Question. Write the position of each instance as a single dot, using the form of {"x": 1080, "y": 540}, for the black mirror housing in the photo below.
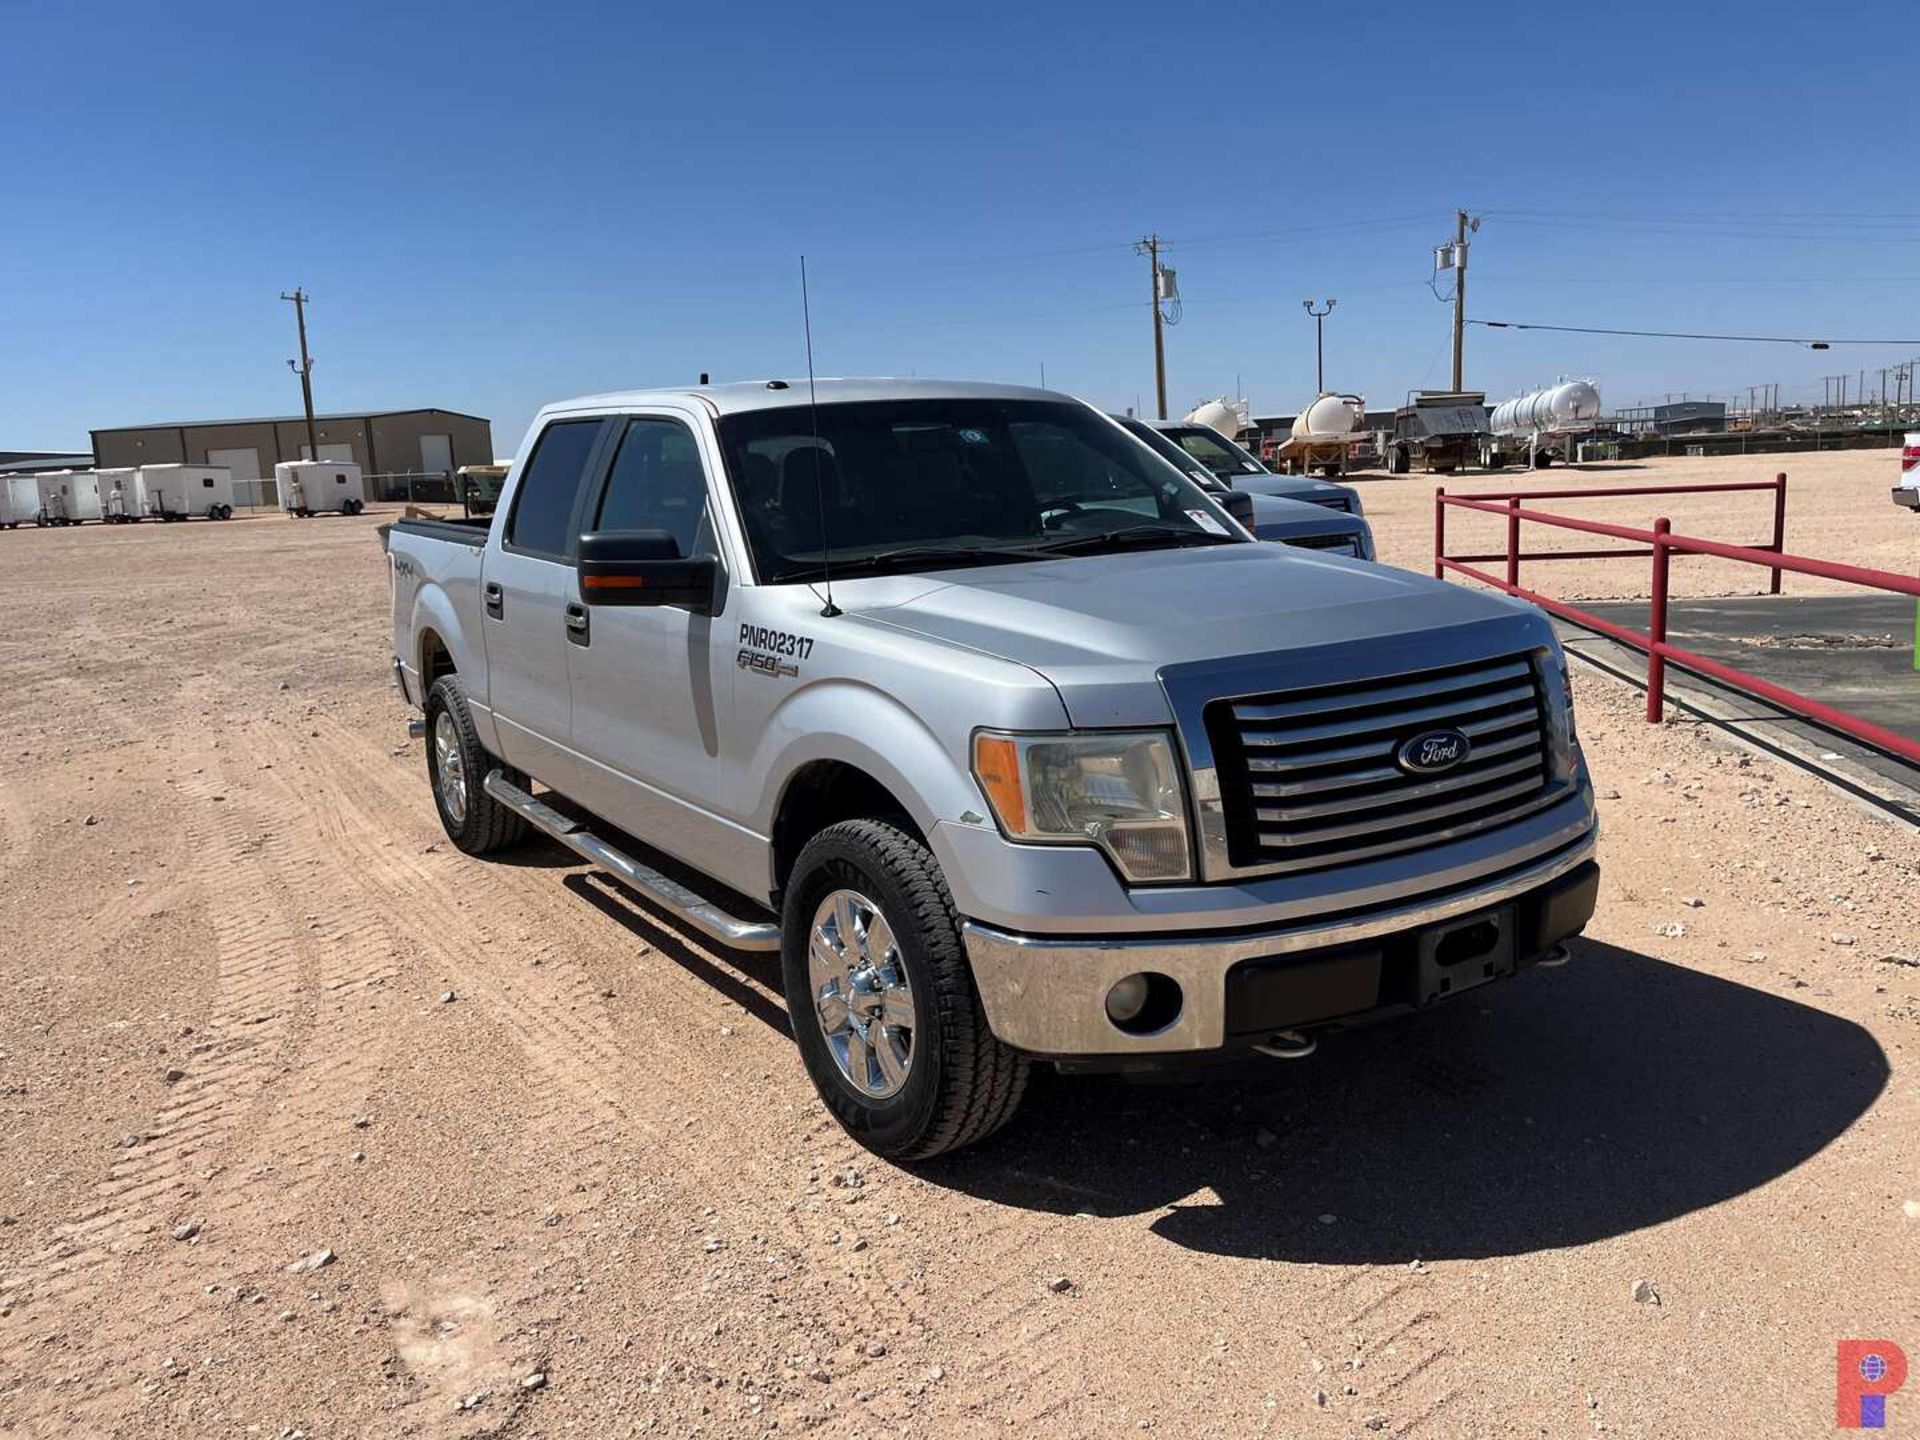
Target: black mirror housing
{"x": 1239, "y": 504}
{"x": 645, "y": 567}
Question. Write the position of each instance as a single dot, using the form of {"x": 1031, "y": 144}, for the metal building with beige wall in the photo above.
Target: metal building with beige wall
{"x": 384, "y": 443}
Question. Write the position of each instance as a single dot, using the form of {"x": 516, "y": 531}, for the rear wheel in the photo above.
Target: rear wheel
{"x": 457, "y": 768}
{"x": 882, "y": 1000}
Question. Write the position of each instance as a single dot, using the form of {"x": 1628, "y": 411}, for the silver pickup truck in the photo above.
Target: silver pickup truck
{"x": 999, "y": 729}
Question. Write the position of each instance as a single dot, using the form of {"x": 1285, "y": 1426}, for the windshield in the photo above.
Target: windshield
{"x": 907, "y": 485}
{"x": 1212, "y": 450}
{"x": 1171, "y": 453}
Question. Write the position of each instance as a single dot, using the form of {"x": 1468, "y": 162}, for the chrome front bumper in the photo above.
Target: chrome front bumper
{"x": 1048, "y": 995}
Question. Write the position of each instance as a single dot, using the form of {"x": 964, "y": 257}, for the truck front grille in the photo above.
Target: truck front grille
{"x": 1341, "y": 544}
{"x": 1309, "y": 779}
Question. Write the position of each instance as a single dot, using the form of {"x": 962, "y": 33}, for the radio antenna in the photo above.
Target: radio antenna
{"x": 819, "y": 483}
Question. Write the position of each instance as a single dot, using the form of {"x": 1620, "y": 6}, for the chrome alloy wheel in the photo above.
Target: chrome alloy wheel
{"x": 450, "y": 768}
{"x": 861, "y": 995}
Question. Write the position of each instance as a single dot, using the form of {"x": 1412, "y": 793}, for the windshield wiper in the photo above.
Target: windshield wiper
{"x": 914, "y": 557}
{"x": 1136, "y": 537}
{"x": 911, "y": 557}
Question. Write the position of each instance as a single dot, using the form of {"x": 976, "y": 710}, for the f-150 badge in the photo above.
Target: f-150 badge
{"x": 772, "y": 652}
{"x": 765, "y": 664}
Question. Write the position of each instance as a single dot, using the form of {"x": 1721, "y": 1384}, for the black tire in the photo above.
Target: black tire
{"x": 487, "y": 825}
{"x": 962, "y": 1084}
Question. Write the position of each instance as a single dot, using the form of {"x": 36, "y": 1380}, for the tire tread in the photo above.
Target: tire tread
{"x": 490, "y": 826}
{"x": 984, "y": 1079}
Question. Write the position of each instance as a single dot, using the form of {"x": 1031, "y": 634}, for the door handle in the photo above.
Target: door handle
{"x": 494, "y": 598}
{"x": 578, "y": 625}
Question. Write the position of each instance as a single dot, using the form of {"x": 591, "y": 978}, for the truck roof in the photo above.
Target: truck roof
{"x": 739, "y": 396}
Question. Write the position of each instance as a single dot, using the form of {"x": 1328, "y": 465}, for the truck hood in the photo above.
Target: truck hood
{"x": 1102, "y": 628}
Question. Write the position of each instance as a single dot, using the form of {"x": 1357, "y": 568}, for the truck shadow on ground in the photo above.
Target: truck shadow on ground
{"x": 662, "y": 936}
{"x": 1559, "y": 1108}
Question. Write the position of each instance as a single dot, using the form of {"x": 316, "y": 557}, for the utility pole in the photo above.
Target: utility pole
{"x": 1460, "y": 296}
{"x": 303, "y": 367}
{"x": 1150, "y": 247}
{"x": 1320, "y": 343}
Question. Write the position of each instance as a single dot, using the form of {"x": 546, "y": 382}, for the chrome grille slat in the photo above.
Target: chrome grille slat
{"x": 1309, "y": 779}
{"x": 1293, "y": 836}
{"x": 1389, "y": 722}
{"x": 1417, "y": 842}
{"x": 1378, "y": 749}
{"x": 1348, "y": 779}
{"x": 1460, "y": 779}
{"x": 1385, "y": 695}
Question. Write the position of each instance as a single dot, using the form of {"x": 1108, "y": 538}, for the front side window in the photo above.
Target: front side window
{"x": 543, "y": 505}
{"x": 658, "y": 483}
{"x": 880, "y": 487}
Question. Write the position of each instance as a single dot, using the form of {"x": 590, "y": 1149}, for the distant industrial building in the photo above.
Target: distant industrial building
{"x": 382, "y": 443}
{"x": 26, "y": 462}
{"x": 1676, "y": 417}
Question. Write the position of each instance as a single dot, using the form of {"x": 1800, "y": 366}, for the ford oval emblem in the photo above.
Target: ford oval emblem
{"x": 1432, "y": 752}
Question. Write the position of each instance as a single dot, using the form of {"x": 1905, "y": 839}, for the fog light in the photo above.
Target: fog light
{"x": 1127, "y": 999}
{"x": 1146, "y": 1003}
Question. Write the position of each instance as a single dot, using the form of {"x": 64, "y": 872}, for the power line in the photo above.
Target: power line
{"x": 1684, "y": 334}
{"x": 1908, "y": 234}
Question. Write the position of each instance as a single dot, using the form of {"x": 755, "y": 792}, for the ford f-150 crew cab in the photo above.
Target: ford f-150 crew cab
{"x": 1000, "y": 730}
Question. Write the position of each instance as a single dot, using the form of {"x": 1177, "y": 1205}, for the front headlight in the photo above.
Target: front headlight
{"x": 1119, "y": 790}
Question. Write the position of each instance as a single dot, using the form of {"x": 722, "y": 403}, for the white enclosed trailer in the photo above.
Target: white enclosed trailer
{"x": 119, "y": 495}
{"x": 19, "y": 500}
{"x": 67, "y": 497}
{"x": 309, "y": 487}
{"x": 174, "y": 492}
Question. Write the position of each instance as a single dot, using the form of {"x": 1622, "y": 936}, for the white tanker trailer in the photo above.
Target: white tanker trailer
{"x": 1534, "y": 429}
{"x": 1323, "y": 436}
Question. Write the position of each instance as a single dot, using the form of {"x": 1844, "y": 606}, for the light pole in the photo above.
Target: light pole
{"x": 1320, "y": 343}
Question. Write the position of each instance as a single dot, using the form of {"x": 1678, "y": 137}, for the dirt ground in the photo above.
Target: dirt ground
{"x": 257, "y": 1009}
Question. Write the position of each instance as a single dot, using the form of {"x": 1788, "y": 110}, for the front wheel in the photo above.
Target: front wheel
{"x": 457, "y": 767}
{"x": 882, "y": 1000}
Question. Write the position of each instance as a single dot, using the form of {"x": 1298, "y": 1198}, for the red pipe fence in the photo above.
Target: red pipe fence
{"x": 1662, "y": 545}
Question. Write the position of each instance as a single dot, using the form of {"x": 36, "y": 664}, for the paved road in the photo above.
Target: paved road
{"x": 1855, "y": 652}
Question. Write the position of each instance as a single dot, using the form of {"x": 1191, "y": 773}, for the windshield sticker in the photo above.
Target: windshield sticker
{"x": 973, "y": 437}
{"x": 1206, "y": 522}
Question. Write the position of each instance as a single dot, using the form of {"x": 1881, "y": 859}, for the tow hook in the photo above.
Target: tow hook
{"x": 1554, "y": 958}
{"x": 416, "y": 729}
{"x": 1289, "y": 1045}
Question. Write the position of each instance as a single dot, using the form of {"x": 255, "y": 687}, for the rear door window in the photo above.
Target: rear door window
{"x": 543, "y": 505}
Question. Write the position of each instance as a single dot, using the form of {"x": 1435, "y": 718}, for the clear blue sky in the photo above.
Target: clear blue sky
{"x": 494, "y": 205}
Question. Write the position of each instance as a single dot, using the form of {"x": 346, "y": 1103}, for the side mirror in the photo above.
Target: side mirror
{"x": 645, "y": 567}
{"x": 1239, "y": 504}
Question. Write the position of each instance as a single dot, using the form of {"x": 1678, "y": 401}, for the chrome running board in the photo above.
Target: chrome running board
{"x": 699, "y": 912}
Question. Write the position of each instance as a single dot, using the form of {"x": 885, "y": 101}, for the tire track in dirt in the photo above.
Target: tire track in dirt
{"x": 549, "y": 1003}
{"x": 232, "y": 1107}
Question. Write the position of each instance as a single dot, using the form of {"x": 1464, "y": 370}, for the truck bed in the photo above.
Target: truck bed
{"x": 461, "y": 532}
